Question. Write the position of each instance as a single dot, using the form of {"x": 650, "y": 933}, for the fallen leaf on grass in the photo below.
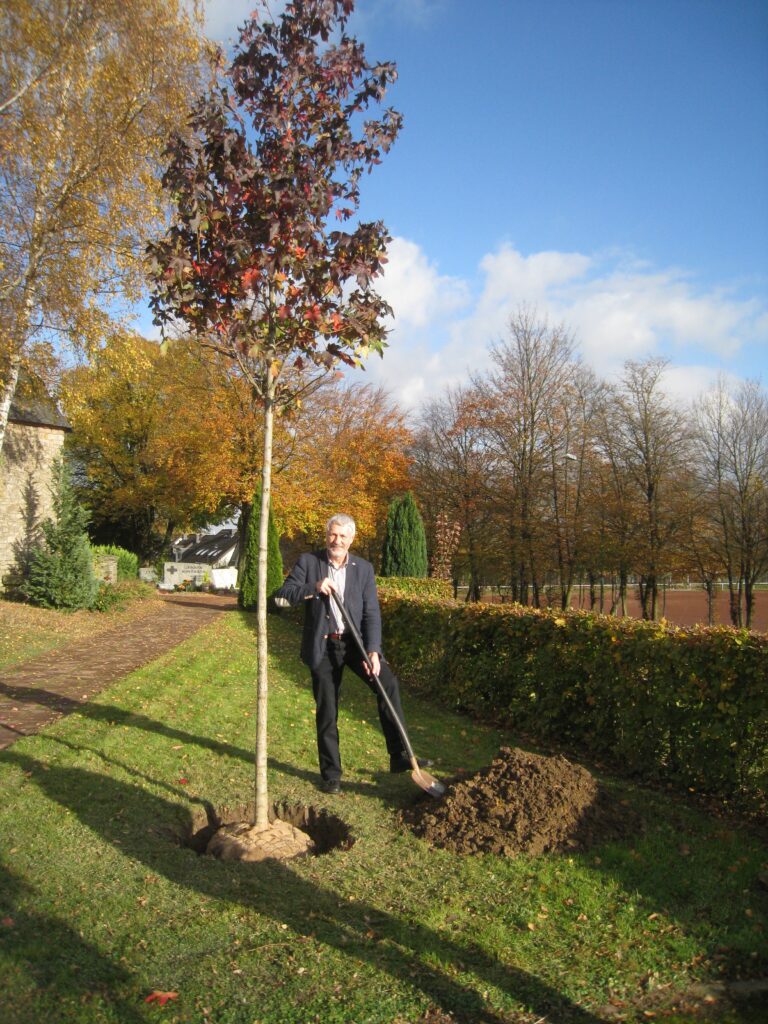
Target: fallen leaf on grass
{"x": 161, "y": 997}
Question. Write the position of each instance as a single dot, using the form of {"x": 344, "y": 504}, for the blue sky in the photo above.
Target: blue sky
{"x": 603, "y": 161}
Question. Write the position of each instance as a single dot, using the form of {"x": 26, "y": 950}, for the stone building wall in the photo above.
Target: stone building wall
{"x": 25, "y": 497}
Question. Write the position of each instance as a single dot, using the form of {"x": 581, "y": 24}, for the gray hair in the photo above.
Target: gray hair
{"x": 343, "y": 520}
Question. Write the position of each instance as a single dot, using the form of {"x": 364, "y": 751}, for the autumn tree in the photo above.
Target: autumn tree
{"x": 732, "y": 464}
{"x": 528, "y": 426}
{"x": 251, "y": 264}
{"x": 348, "y": 449}
{"x": 452, "y": 472}
{"x": 646, "y": 440}
{"x": 89, "y": 91}
{"x": 155, "y": 440}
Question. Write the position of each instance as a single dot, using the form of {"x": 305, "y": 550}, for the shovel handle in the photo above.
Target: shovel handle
{"x": 349, "y": 624}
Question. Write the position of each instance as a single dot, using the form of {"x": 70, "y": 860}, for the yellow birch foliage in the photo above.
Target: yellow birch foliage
{"x": 89, "y": 94}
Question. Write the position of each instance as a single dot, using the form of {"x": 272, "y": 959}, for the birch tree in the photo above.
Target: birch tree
{"x": 89, "y": 91}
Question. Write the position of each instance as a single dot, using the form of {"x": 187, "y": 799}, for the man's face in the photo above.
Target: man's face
{"x": 338, "y": 539}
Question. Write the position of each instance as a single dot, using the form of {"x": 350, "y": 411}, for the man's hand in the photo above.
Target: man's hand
{"x": 374, "y": 660}
{"x": 324, "y": 586}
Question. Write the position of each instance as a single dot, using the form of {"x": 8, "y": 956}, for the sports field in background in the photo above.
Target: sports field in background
{"x": 678, "y": 607}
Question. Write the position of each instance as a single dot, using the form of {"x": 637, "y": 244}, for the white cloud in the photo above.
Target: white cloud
{"x": 414, "y": 288}
{"x": 616, "y": 309}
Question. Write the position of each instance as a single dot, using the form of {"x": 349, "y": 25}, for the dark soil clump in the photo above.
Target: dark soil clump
{"x": 523, "y": 803}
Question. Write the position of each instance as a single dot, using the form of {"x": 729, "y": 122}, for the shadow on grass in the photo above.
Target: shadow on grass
{"x": 411, "y": 954}
{"x": 61, "y": 965}
{"x": 114, "y": 715}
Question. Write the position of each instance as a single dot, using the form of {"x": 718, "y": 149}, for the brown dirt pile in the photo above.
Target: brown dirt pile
{"x": 522, "y": 803}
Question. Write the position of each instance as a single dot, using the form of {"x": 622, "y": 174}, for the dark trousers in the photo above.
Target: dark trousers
{"x": 326, "y": 683}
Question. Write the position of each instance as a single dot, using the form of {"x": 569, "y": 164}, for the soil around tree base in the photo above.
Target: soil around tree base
{"x": 523, "y": 803}
{"x": 228, "y": 832}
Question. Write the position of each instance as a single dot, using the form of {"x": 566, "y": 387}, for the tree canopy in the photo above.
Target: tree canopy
{"x": 89, "y": 92}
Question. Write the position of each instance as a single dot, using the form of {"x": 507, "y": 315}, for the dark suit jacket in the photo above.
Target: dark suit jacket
{"x": 360, "y": 600}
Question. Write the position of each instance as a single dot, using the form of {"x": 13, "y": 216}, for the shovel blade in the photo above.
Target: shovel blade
{"x": 428, "y": 783}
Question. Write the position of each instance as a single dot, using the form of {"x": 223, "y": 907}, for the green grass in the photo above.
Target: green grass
{"x": 99, "y": 908}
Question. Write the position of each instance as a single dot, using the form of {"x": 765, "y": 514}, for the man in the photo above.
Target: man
{"x": 327, "y": 648}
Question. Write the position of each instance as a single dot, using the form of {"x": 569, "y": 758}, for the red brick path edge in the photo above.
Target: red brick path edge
{"x": 37, "y": 692}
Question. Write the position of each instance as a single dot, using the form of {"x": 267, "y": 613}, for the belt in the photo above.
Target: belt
{"x": 334, "y": 636}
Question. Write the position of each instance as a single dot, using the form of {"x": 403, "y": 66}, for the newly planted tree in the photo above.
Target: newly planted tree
{"x": 253, "y": 264}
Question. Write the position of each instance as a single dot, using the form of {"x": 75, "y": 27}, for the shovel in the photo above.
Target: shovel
{"x": 423, "y": 779}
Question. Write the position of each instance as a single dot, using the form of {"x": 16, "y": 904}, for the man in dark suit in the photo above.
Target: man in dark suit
{"x": 327, "y": 648}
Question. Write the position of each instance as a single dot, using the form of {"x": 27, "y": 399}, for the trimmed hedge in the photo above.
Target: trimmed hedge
{"x": 415, "y": 586}
{"x": 127, "y": 562}
{"x": 688, "y": 707}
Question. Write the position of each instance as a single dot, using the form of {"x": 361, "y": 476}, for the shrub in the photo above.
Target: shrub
{"x": 405, "y": 543}
{"x": 61, "y": 570}
{"x": 684, "y": 706}
{"x": 127, "y": 562}
{"x": 111, "y": 598}
{"x": 408, "y": 586}
{"x": 249, "y": 589}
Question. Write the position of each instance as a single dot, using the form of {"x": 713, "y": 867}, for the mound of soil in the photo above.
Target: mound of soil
{"x": 522, "y": 803}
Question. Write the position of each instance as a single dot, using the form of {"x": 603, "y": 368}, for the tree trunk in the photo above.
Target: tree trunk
{"x": 709, "y": 586}
{"x": 749, "y": 602}
{"x": 734, "y": 601}
{"x": 8, "y": 392}
{"x": 262, "y": 691}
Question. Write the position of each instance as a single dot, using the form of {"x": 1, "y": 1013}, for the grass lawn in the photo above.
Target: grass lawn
{"x": 99, "y": 908}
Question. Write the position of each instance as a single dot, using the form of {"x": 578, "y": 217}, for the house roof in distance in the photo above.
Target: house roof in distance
{"x": 32, "y": 405}
{"x": 212, "y": 549}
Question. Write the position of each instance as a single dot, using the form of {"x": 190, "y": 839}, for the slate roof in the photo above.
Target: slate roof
{"x": 210, "y": 550}
{"x": 36, "y": 409}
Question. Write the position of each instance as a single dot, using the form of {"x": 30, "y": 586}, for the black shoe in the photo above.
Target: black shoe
{"x": 331, "y": 786}
{"x": 402, "y": 764}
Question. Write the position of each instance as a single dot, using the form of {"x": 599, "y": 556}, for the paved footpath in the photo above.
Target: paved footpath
{"x": 37, "y": 692}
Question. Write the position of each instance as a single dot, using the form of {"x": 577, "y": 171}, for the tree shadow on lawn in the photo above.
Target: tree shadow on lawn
{"x": 407, "y": 952}
{"x": 110, "y": 713}
{"x": 61, "y": 966}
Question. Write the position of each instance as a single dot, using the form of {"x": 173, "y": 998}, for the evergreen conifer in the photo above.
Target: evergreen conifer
{"x": 249, "y": 587}
{"x": 405, "y": 543}
{"x": 61, "y": 570}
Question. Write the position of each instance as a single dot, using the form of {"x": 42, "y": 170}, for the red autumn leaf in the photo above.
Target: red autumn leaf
{"x": 7, "y": 922}
{"x": 161, "y": 997}
{"x": 250, "y": 277}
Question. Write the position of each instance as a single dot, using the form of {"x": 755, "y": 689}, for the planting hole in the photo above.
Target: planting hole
{"x": 295, "y": 830}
